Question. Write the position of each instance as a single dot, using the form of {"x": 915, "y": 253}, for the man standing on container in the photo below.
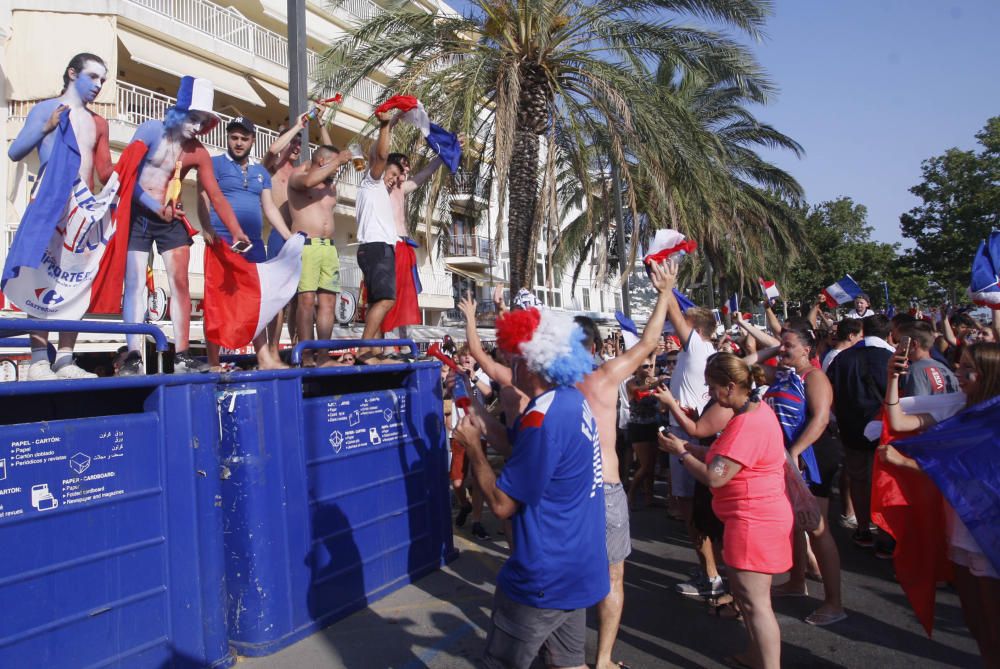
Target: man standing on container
{"x": 552, "y": 489}
{"x": 377, "y": 235}
{"x": 312, "y": 195}
{"x": 83, "y": 79}
{"x": 173, "y": 150}
{"x": 246, "y": 185}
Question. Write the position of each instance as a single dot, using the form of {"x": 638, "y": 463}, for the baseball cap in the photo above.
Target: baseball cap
{"x": 241, "y": 122}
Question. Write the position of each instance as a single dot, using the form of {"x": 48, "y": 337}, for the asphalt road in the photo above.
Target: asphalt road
{"x": 440, "y": 622}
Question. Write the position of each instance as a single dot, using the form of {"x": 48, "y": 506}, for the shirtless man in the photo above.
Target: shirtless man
{"x": 83, "y": 79}
{"x": 280, "y": 160}
{"x": 312, "y": 195}
{"x": 171, "y": 141}
{"x": 600, "y": 388}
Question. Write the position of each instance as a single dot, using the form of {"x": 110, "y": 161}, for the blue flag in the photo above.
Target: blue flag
{"x": 960, "y": 455}
{"x": 682, "y": 301}
{"x": 46, "y": 210}
{"x": 446, "y": 145}
{"x": 984, "y": 288}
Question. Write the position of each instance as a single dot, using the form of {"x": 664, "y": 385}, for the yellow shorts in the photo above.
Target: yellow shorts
{"x": 320, "y": 267}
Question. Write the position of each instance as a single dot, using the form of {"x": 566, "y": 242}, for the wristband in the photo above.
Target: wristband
{"x": 683, "y": 455}
{"x": 891, "y": 404}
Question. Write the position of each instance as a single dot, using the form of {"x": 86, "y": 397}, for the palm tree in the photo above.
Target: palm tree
{"x": 524, "y": 75}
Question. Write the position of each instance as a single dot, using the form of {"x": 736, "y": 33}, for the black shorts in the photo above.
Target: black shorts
{"x": 377, "y": 261}
{"x": 146, "y": 228}
{"x": 703, "y": 516}
{"x": 642, "y": 432}
{"x": 829, "y": 453}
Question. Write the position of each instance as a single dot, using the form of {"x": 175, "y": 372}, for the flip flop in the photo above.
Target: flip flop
{"x": 824, "y": 619}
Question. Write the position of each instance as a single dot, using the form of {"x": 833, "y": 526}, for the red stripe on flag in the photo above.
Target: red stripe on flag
{"x": 232, "y": 297}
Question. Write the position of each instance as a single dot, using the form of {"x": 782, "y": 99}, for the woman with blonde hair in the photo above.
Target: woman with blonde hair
{"x": 745, "y": 469}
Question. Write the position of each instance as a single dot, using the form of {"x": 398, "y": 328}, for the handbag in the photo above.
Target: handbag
{"x": 804, "y": 505}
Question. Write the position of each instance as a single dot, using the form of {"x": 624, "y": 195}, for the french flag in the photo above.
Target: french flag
{"x": 682, "y": 301}
{"x": 984, "y": 286}
{"x": 731, "y": 306}
{"x": 769, "y": 288}
{"x": 242, "y": 297}
{"x": 841, "y": 292}
{"x": 667, "y": 244}
{"x": 441, "y": 142}
{"x": 630, "y": 333}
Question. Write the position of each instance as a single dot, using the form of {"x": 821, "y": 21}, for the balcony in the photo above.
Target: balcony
{"x": 470, "y": 251}
{"x": 228, "y": 25}
{"x": 468, "y": 193}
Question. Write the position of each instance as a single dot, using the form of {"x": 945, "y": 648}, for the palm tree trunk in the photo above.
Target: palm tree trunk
{"x": 522, "y": 238}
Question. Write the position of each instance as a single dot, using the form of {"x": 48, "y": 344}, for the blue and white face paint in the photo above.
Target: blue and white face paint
{"x": 89, "y": 81}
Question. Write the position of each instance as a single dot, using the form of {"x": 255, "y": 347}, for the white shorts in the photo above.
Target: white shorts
{"x": 681, "y": 481}
{"x": 977, "y": 563}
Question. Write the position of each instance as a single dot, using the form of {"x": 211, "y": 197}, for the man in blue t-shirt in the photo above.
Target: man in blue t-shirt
{"x": 246, "y": 186}
{"x": 552, "y": 489}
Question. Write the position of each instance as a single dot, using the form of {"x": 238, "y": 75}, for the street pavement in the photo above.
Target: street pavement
{"x": 440, "y": 622}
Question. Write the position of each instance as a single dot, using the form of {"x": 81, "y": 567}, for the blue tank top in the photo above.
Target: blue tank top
{"x": 787, "y": 397}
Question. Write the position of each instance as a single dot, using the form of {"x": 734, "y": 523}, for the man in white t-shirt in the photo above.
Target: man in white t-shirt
{"x": 377, "y": 235}
{"x": 694, "y": 328}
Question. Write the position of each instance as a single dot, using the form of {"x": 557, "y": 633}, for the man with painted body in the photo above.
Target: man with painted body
{"x": 82, "y": 82}
{"x": 171, "y": 141}
{"x": 312, "y": 195}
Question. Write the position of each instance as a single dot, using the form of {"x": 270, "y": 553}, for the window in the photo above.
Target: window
{"x": 585, "y": 295}
{"x": 618, "y": 302}
{"x": 555, "y": 299}
{"x": 540, "y": 294}
{"x": 539, "y": 274}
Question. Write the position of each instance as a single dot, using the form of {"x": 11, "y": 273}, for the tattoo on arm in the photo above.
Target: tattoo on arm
{"x": 720, "y": 467}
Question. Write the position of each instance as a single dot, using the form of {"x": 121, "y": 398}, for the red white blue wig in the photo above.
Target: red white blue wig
{"x": 550, "y": 342}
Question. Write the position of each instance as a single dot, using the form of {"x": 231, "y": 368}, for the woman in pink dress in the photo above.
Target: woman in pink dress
{"x": 745, "y": 469}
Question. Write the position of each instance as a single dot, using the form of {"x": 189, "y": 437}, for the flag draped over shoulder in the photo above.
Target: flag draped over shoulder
{"x": 55, "y": 265}
{"x": 443, "y": 143}
{"x": 960, "y": 456}
{"x": 242, "y": 297}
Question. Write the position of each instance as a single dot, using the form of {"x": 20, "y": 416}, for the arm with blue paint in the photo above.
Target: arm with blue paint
{"x": 42, "y": 119}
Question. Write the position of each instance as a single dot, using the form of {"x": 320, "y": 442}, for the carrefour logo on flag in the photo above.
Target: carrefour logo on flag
{"x": 48, "y": 296}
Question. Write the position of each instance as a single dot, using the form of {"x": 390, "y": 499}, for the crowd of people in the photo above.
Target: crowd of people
{"x": 235, "y": 196}
{"x": 760, "y": 434}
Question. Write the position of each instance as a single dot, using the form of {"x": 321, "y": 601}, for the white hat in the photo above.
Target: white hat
{"x": 197, "y": 94}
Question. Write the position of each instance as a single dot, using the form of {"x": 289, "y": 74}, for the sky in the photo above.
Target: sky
{"x": 871, "y": 88}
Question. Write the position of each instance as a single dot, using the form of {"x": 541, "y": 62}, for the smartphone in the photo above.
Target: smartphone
{"x": 663, "y": 430}
{"x": 903, "y": 348}
{"x": 241, "y": 247}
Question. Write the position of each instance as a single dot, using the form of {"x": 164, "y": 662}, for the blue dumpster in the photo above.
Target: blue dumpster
{"x": 111, "y": 524}
{"x": 335, "y": 493}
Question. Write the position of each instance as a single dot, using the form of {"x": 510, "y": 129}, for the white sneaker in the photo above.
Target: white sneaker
{"x": 41, "y": 371}
{"x": 71, "y": 371}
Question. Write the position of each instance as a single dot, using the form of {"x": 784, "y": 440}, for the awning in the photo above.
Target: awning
{"x": 280, "y": 93}
{"x": 480, "y": 277}
{"x": 165, "y": 59}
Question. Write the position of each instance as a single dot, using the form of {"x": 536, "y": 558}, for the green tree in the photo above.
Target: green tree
{"x": 840, "y": 238}
{"x": 961, "y": 204}
{"x": 524, "y": 75}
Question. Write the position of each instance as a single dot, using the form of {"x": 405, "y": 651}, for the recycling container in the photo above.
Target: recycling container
{"x": 335, "y": 493}
{"x": 111, "y": 524}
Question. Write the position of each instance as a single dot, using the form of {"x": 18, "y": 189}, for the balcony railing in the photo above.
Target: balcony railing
{"x": 469, "y": 245}
{"x": 228, "y": 25}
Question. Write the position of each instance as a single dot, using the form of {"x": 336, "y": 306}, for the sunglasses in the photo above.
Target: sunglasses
{"x": 645, "y": 366}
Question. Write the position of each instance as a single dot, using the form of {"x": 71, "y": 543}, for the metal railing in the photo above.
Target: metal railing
{"x": 465, "y": 184}
{"x": 362, "y": 9}
{"x": 469, "y": 245}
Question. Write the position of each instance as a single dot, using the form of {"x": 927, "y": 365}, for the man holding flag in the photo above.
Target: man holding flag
{"x": 246, "y": 185}
{"x": 83, "y": 142}
{"x": 156, "y": 216}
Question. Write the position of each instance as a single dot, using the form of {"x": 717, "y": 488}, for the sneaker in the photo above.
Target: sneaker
{"x": 462, "y": 515}
{"x": 185, "y": 363}
{"x": 479, "y": 532}
{"x": 71, "y": 371}
{"x": 702, "y": 587}
{"x": 41, "y": 371}
{"x": 132, "y": 365}
{"x": 863, "y": 539}
{"x": 850, "y": 522}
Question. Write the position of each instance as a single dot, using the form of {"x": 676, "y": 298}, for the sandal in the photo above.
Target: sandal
{"x": 823, "y": 619}
{"x": 727, "y": 610}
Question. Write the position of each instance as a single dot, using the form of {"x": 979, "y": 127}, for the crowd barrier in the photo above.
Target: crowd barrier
{"x": 174, "y": 520}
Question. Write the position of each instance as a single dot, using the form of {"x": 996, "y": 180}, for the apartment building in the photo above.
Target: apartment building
{"x": 241, "y": 46}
